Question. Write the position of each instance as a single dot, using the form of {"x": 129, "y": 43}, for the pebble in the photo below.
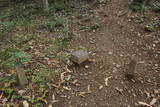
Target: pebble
{"x": 156, "y": 65}
{"x": 110, "y": 53}
{"x": 86, "y": 66}
{"x": 100, "y": 87}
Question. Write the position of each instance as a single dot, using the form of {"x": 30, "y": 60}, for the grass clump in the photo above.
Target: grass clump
{"x": 61, "y": 4}
{"x": 156, "y": 6}
{"x": 143, "y": 5}
{"x": 139, "y": 6}
{"x": 149, "y": 27}
{"x": 43, "y": 76}
{"x": 6, "y": 28}
{"x": 12, "y": 57}
{"x": 51, "y": 25}
{"x": 7, "y": 83}
{"x": 5, "y": 14}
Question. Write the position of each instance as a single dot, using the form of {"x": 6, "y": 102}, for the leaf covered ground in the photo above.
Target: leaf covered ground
{"x": 41, "y": 42}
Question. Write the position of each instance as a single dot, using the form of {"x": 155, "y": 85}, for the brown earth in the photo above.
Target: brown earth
{"x": 120, "y": 36}
{"x": 117, "y": 35}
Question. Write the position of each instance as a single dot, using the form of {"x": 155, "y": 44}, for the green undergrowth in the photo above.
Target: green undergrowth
{"x": 143, "y": 6}
{"x": 36, "y": 41}
{"x": 11, "y": 57}
{"x": 19, "y": 55}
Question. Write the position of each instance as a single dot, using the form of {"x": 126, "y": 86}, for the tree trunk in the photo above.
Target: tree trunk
{"x": 45, "y": 5}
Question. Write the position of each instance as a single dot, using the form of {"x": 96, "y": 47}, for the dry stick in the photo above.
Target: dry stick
{"x": 132, "y": 67}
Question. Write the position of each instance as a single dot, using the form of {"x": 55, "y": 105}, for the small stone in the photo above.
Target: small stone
{"x": 121, "y": 55}
{"x": 100, "y": 87}
{"x": 21, "y": 77}
{"x": 79, "y": 56}
{"x": 156, "y": 65}
{"x": 86, "y": 66}
{"x": 110, "y": 53}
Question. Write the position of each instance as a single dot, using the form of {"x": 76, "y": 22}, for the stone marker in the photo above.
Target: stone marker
{"x": 21, "y": 77}
{"x": 132, "y": 67}
{"x": 79, "y": 56}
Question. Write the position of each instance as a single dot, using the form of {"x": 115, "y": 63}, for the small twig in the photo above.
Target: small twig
{"x": 119, "y": 90}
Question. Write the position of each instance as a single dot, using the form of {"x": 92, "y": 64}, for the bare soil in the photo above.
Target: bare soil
{"x": 120, "y": 36}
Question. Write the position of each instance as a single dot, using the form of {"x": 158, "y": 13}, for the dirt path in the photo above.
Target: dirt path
{"x": 111, "y": 47}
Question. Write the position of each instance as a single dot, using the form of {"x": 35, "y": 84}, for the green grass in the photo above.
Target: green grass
{"x": 6, "y": 28}
{"x": 5, "y": 14}
{"x": 60, "y": 44}
{"x": 22, "y": 25}
{"x": 156, "y": 6}
{"x": 62, "y": 58}
{"x": 52, "y": 24}
{"x": 12, "y": 57}
{"x": 149, "y": 27}
{"x": 7, "y": 83}
{"x": 43, "y": 75}
{"x": 142, "y": 6}
{"x": 61, "y": 4}
{"x": 139, "y": 7}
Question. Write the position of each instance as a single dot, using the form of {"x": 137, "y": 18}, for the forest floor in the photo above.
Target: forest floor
{"x": 111, "y": 33}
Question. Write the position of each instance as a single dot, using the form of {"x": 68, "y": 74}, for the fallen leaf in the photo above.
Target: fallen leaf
{"x": 83, "y": 93}
{"x": 66, "y": 68}
{"x": 16, "y": 105}
{"x": 50, "y": 105}
{"x": 119, "y": 90}
{"x": 1, "y": 95}
{"x": 21, "y": 92}
{"x": 67, "y": 88}
{"x": 54, "y": 99}
{"x": 62, "y": 77}
{"x": 13, "y": 71}
{"x": 56, "y": 86}
{"x": 4, "y": 101}
{"x": 154, "y": 100}
{"x": 25, "y": 103}
{"x": 44, "y": 100}
{"x": 106, "y": 80}
{"x": 141, "y": 62}
{"x": 68, "y": 77}
{"x": 30, "y": 42}
{"x": 89, "y": 88}
{"x": 100, "y": 87}
{"x": 143, "y": 103}
{"x": 86, "y": 66}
